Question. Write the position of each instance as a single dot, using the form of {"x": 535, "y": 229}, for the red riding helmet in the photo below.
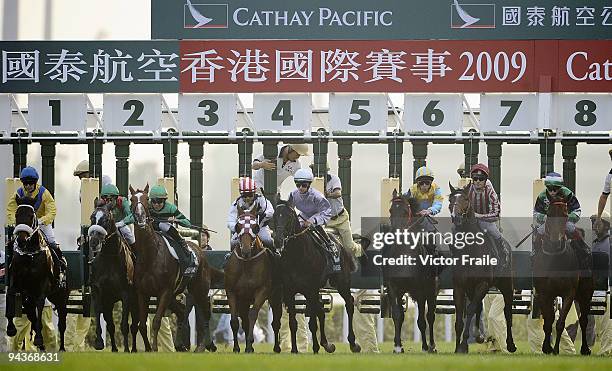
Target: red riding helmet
{"x": 247, "y": 185}
{"x": 480, "y": 167}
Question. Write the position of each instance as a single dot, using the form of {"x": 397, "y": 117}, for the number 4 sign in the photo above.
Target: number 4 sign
{"x": 132, "y": 112}
{"x": 282, "y": 112}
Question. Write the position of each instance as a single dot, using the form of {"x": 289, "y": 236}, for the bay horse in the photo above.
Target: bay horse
{"x": 558, "y": 272}
{"x": 112, "y": 277}
{"x": 304, "y": 271}
{"x": 157, "y": 274}
{"x": 249, "y": 280}
{"x": 418, "y": 280}
{"x": 472, "y": 282}
{"x": 33, "y": 276}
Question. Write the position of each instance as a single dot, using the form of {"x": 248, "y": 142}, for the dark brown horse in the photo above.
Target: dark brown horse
{"x": 157, "y": 274}
{"x": 33, "y": 276}
{"x": 249, "y": 280}
{"x": 417, "y": 280}
{"x": 112, "y": 277}
{"x": 304, "y": 271}
{"x": 472, "y": 282}
{"x": 557, "y": 272}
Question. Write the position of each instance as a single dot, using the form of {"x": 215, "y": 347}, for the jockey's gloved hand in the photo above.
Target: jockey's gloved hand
{"x": 120, "y": 224}
{"x": 237, "y": 227}
{"x": 541, "y": 229}
{"x": 570, "y": 227}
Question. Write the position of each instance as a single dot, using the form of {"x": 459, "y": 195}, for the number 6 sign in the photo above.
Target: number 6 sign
{"x": 433, "y": 112}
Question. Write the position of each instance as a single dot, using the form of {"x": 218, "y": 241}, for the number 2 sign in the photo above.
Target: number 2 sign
{"x": 132, "y": 112}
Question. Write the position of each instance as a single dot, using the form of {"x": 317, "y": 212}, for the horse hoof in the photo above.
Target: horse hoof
{"x": 236, "y": 350}
{"x": 62, "y": 349}
{"x": 99, "y": 344}
{"x": 11, "y": 330}
{"x": 134, "y": 350}
{"x": 556, "y": 351}
{"x": 462, "y": 349}
{"x": 547, "y": 350}
{"x": 585, "y": 351}
{"x": 315, "y": 349}
{"x": 480, "y": 339}
{"x": 294, "y": 351}
{"x": 200, "y": 349}
{"x": 424, "y": 348}
{"x": 356, "y": 348}
{"x": 329, "y": 348}
{"x": 249, "y": 350}
{"x": 511, "y": 348}
{"x": 398, "y": 350}
{"x": 432, "y": 350}
{"x": 115, "y": 350}
{"x": 211, "y": 347}
{"x": 277, "y": 349}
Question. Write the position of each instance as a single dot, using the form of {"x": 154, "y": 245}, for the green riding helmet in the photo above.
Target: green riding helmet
{"x": 109, "y": 190}
{"x": 158, "y": 191}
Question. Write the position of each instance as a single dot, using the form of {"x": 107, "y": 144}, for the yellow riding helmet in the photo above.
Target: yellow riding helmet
{"x": 424, "y": 172}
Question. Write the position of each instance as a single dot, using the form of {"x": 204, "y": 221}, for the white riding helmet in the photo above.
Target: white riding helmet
{"x": 303, "y": 175}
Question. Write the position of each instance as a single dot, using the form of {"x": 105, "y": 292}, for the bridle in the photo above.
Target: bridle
{"x": 31, "y": 230}
{"x": 98, "y": 229}
{"x": 292, "y": 221}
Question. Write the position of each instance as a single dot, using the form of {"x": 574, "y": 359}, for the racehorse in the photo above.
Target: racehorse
{"x": 157, "y": 274}
{"x": 418, "y": 280}
{"x": 249, "y": 280}
{"x": 473, "y": 282}
{"x": 112, "y": 277}
{"x": 33, "y": 276}
{"x": 557, "y": 272}
{"x": 304, "y": 271}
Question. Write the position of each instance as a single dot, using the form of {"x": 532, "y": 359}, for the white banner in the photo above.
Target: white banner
{"x": 282, "y": 112}
{"x": 132, "y": 112}
{"x": 582, "y": 112}
{"x": 357, "y": 112}
{"x": 6, "y": 114}
{"x": 57, "y": 112}
{"x": 433, "y": 112}
{"x": 508, "y": 112}
{"x": 207, "y": 112}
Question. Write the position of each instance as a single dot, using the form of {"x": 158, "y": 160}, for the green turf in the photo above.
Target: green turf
{"x": 224, "y": 360}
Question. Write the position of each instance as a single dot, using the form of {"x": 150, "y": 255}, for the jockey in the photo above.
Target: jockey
{"x": 164, "y": 214}
{"x": 315, "y": 211}
{"x": 249, "y": 200}
{"x": 429, "y": 198}
{"x": 120, "y": 207}
{"x": 45, "y": 212}
{"x": 556, "y": 191}
{"x": 286, "y": 164}
{"x": 485, "y": 202}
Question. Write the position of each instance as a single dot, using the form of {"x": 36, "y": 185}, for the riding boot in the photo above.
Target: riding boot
{"x": 502, "y": 254}
{"x": 58, "y": 258}
{"x": 331, "y": 248}
{"x": 184, "y": 255}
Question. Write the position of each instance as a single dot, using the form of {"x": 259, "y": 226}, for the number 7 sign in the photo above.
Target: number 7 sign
{"x": 508, "y": 112}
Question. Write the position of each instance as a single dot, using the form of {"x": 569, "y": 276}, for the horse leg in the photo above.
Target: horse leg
{"x": 96, "y": 302}
{"x": 312, "y": 311}
{"x": 36, "y": 321}
{"x": 349, "y": 305}
{"x": 203, "y": 314}
{"x": 290, "y": 301}
{"x": 422, "y": 323}
{"x": 397, "y": 313}
{"x": 125, "y": 307}
{"x": 585, "y": 307}
{"x": 11, "y": 330}
{"x": 473, "y": 307}
{"x": 548, "y": 314}
{"x": 110, "y": 324}
{"x": 260, "y": 299}
{"x": 162, "y": 303}
{"x": 431, "y": 319}
{"x": 477, "y": 322}
{"x": 459, "y": 300}
{"x": 135, "y": 316}
{"x": 508, "y": 293}
{"x": 244, "y": 317}
{"x": 234, "y": 322}
{"x": 143, "y": 311}
{"x": 276, "y": 303}
{"x": 560, "y": 325}
{"x": 62, "y": 312}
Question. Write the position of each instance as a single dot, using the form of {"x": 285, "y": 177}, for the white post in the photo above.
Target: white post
{"x": 380, "y": 329}
{"x": 270, "y": 330}
{"x": 417, "y": 333}
{"x": 448, "y": 325}
{"x": 193, "y": 328}
{"x": 344, "y": 325}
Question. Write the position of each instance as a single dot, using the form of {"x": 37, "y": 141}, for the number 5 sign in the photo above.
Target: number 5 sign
{"x": 357, "y": 112}
{"x": 132, "y": 112}
{"x": 282, "y": 112}
{"x": 433, "y": 112}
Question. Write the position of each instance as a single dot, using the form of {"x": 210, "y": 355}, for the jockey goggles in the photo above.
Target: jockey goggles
{"x": 424, "y": 182}
{"x": 157, "y": 200}
{"x": 553, "y": 188}
{"x": 479, "y": 178}
{"x": 248, "y": 194}
{"x": 108, "y": 198}
{"x": 302, "y": 184}
{"x": 28, "y": 181}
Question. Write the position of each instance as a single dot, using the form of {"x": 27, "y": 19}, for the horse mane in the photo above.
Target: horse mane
{"x": 25, "y": 200}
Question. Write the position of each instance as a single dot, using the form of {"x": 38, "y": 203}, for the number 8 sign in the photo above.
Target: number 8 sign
{"x": 582, "y": 112}
{"x": 132, "y": 112}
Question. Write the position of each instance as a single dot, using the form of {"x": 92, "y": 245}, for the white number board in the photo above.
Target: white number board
{"x": 433, "y": 112}
{"x": 582, "y": 112}
{"x": 6, "y": 114}
{"x": 508, "y": 112}
{"x": 132, "y": 112}
{"x": 357, "y": 112}
{"x": 57, "y": 112}
{"x": 207, "y": 112}
{"x": 282, "y": 112}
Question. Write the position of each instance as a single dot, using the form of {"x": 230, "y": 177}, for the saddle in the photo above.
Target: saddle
{"x": 187, "y": 261}
{"x": 330, "y": 248}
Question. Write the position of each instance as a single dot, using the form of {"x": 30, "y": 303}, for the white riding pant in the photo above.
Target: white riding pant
{"x": 47, "y": 230}
{"x": 127, "y": 233}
